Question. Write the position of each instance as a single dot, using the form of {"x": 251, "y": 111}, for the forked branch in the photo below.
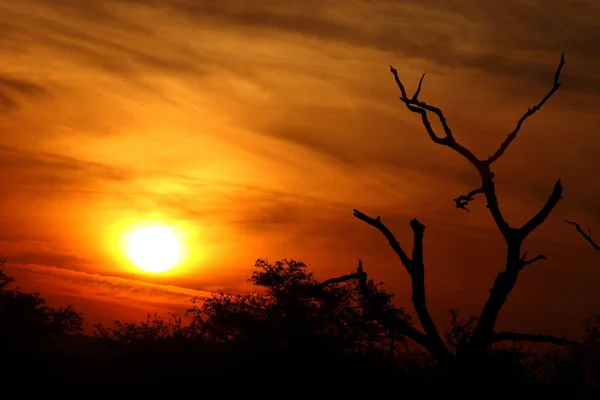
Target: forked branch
{"x": 528, "y": 261}
{"x": 586, "y": 236}
{"x": 483, "y": 166}
{"x": 376, "y": 222}
{"x": 416, "y": 270}
{"x": 420, "y": 107}
{"x": 514, "y": 237}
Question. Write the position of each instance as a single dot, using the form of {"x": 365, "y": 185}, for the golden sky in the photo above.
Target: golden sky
{"x": 256, "y": 128}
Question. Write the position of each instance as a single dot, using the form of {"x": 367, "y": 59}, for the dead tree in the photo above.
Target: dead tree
{"x": 484, "y": 334}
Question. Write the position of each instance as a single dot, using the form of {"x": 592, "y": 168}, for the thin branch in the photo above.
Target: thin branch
{"x": 463, "y": 200}
{"x": 541, "y": 216}
{"x": 529, "y": 113}
{"x": 586, "y": 236}
{"x": 376, "y": 222}
{"x": 529, "y": 337}
{"x": 339, "y": 279}
{"x": 525, "y": 261}
{"x": 420, "y": 107}
{"x": 416, "y": 95}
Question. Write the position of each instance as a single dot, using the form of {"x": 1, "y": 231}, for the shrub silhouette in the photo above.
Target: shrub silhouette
{"x": 293, "y": 325}
{"x": 293, "y": 311}
{"x": 27, "y": 321}
{"x": 28, "y": 327}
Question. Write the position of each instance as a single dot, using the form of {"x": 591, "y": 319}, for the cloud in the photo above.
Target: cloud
{"x": 262, "y": 124}
{"x": 92, "y": 46}
{"x": 38, "y": 256}
{"x": 50, "y": 173}
{"x": 11, "y": 88}
{"x": 488, "y": 36}
{"x": 54, "y": 281}
{"x": 451, "y": 34}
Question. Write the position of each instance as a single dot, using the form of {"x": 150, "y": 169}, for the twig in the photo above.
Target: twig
{"x": 463, "y": 200}
{"x": 587, "y": 236}
{"x": 525, "y": 261}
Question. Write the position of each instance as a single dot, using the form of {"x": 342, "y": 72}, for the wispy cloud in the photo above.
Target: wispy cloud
{"x": 12, "y": 90}
{"x": 70, "y": 285}
{"x": 47, "y": 172}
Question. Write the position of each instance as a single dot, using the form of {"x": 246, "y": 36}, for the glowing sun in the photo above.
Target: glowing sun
{"x": 154, "y": 248}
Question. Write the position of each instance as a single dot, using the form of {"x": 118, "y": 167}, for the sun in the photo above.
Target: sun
{"x": 154, "y": 248}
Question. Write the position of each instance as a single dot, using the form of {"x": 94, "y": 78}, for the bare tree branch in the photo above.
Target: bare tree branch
{"x": 416, "y": 270}
{"x": 541, "y": 216}
{"x": 420, "y": 107}
{"x": 488, "y": 188}
{"x": 525, "y": 261}
{"x": 376, "y": 222}
{"x": 529, "y": 113}
{"x": 340, "y": 279}
{"x": 586, "y": 236}
{"x": 417, "y": 106}
{"x": 538, "y": 338}
{"x": 463, "y": 200}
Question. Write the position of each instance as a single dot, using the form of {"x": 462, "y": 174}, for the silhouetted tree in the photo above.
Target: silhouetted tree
{"x": 473, "y": 350}
{"x": 290, "y": 322}
{"x": 574, "y": 370}
{"x": 30, "y": 331}
{"x": 26, "y": 322}
{"x": 294, "y": 310}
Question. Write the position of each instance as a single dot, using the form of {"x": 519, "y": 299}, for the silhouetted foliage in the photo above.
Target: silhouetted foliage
{"x": 26, "y": 320}
{"x": 154, "y": 329}
{"x": 29, "y": 329}
{"x": 311, "y": 336}
{"x": 5, "y": 280}
{"x": 293, "y": 311}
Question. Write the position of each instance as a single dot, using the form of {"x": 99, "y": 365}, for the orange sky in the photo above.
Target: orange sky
{"x": 256, "y": 128}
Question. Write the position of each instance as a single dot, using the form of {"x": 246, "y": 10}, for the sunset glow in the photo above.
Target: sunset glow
{"x": 154, "y": 248}
{"x": 253, "y": 129}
